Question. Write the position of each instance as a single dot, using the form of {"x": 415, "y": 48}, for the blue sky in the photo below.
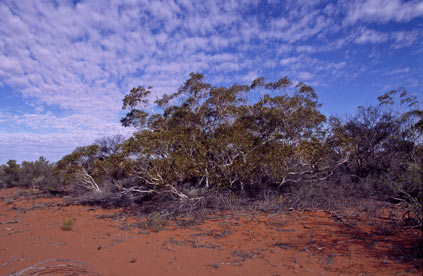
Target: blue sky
{"x": 66, "y": 65}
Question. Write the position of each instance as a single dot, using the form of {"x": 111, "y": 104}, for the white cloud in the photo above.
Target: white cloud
{"x": 303, "y": 26}
{"x": 9, "y": 65}
{"x": 383, "y": 10}
{"x": 400, "y": 71}
{"x": 371, "y": 36}
{"x": 249, "y": 77}
{"x": 404, "y": 38}
{"x": 306, "y": 48}
{"x": 304, "y": 76}
{"x": 398, "y": 39}
{"x": 338, "y": 65}
{"x": 290, "y": 60}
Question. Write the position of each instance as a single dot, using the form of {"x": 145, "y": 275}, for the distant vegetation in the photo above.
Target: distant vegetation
{"x": 258, "y": 141}
{"x": 67, "y": 225}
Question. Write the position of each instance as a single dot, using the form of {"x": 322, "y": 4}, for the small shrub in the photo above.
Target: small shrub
{"x": 67, "y": 225}
{"x": 155, "y": 223}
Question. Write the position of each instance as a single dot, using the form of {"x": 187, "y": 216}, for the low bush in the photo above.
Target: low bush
{"x": 67, "y": 224}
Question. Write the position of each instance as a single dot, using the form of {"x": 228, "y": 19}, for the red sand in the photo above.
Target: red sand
{"x": 294, "y": 243}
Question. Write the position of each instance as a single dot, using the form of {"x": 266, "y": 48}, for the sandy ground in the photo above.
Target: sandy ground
{"x": 108, "y": 242}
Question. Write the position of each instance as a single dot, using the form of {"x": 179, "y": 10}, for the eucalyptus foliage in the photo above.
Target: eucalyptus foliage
{"x": 243, "y": 137}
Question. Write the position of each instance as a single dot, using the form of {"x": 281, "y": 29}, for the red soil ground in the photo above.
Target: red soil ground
{"x": 106, "y": 242}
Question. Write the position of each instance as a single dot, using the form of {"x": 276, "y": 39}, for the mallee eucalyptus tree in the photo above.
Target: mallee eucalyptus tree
{"x": 209, "y": 137}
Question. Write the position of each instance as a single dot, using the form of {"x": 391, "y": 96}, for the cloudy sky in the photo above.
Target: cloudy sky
{"x": 66, "y": 65}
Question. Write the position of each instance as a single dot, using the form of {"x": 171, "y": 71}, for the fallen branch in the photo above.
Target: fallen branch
{"x": 10, "y": 260}
{"x": 66, "y": 267}
{"x": 10, "y": 222}
{"x": 315, "y": 174}
{"x": 137, "y": 190}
